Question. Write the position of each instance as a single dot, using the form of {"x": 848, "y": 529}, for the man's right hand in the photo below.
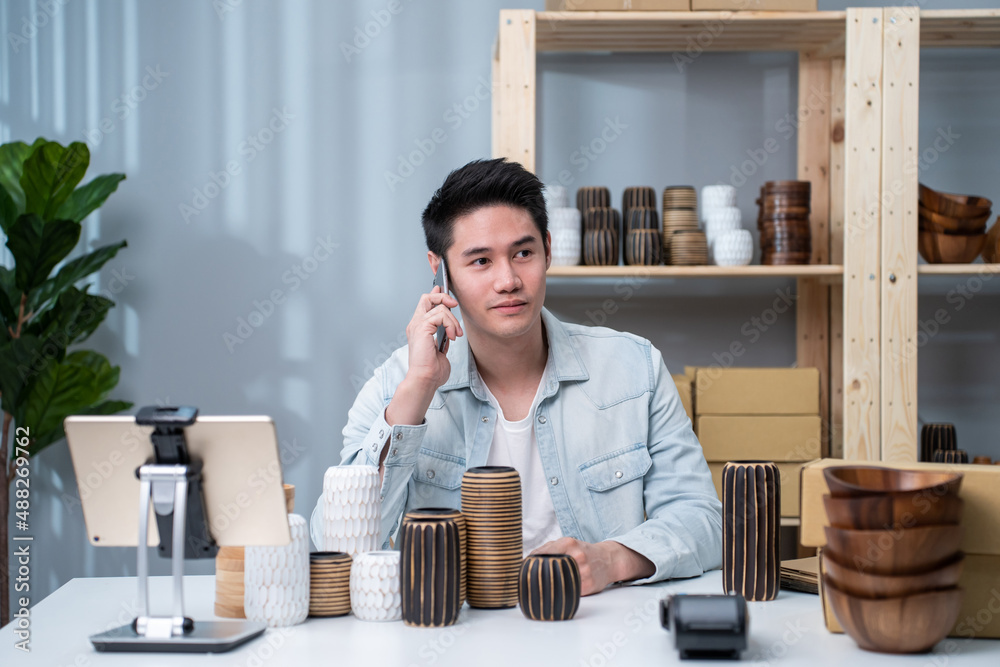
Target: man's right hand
{"x": 428, "y": 368}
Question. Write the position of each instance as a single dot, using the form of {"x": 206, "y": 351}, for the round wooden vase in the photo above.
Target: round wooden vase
{"x": 934, "y": 437}
{"x": 329, "y": 583}
{"x": 951, "y": 456}
{"x": 491, "y": 503}
{"x": 592, "y": 197}
{"x": 448, "y": 513}
{"x": 642, "y": 247}
{"x": 751, "y": 500}
{"x": 430, "y": 572}
{"x": 600, "y": 247}
{"x": 548, "y": 587}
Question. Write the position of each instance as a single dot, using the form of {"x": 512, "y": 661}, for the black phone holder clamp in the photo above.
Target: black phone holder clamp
{"x": 706, "y": 626}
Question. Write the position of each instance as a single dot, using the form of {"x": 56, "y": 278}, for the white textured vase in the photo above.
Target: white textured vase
{"x": 556, "y": 196}
{"x": 276, "y": 579}
{"x": 565, "y": 227}
{"x": 734, "y": 248}
{"x": 375, "y": 593}
{"x": 351, "y": 509}
{"x": 714, "y": 197}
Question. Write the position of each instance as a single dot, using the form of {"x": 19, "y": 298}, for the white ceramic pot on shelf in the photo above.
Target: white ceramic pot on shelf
{"x": 375, "y": 592}
{"x": 276, "y": 579}
{"x": 565, "y": 227}
{"x": 734, "y": 248}
{"x": 714, "y": 197}
{"x": 351, "y": 510}
{"x": 556, "y": 196}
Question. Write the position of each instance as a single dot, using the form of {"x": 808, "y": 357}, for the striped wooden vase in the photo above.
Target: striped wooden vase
{"x": 934, "y": 437}
{"x": 642, "y": 247}
{"x": 448, "y": 513}
{"x": 641, "y": 218}
{"x": 751, "y": 500}
{"x": 592, "y": 197}
{"x": 548, "y": 587}
{"x": 430, "y": 573}
{"x": 951, "y": 456}
{"x": 638, "y": 197}
{"x": 600, "y": 247}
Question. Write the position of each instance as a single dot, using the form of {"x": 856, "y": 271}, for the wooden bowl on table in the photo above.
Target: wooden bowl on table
{"x": 893, "y": 511}
{"x": 857, "y": 481}
{"x": 950, "y": 248}
{"x": 907, "y": 624}
{"x": 894, "y": 552}
{"x": 952, "y": 205}
{"x": 876, "y": 586}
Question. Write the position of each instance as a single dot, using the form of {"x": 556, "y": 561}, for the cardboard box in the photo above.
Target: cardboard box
{"x": 683, "y": 384}
{"x": 980, "y": 615}
{"x": 767, "y": 437}
{"x": 617, "y": 5}
{"x": 789, "y": 475}
{"x": 754, "y": 5}
{"x": 756, "y": 391}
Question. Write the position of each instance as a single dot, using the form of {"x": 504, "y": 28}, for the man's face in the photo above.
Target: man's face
{"x": 496, "y": 266}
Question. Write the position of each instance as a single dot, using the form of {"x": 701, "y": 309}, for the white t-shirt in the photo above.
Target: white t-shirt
{"x": 515, "y": 445}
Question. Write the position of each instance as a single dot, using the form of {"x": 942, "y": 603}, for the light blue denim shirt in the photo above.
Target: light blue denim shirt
{"x": 614, "y": 440}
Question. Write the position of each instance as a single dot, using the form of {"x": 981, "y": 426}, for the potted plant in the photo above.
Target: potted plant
{"x": 44, "y": 375}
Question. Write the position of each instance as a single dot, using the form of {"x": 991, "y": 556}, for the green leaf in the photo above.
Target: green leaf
{"x": 50, "y": 175}
{"x": 105, "y": 375}
{"x": 37, "y": 247}
{"x": 12, "y": 159}
{"x": 85, "y": 200}
{"x": 10, "y": 298}
{"x": 61, "y": 389}
{"x": 72, "y": 318}
{"x": 107, "y": 408}
{"x": 70, "y": 273}
{"x": 20, "y": 360}
{"x": 43, "y": 440}
{"x": 8, "y": 209}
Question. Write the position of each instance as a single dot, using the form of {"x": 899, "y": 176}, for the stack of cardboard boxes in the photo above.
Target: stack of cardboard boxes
{"x": 768, "y": 414}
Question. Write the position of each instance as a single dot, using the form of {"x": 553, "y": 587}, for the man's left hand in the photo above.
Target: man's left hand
{"x": 600, "y": 564}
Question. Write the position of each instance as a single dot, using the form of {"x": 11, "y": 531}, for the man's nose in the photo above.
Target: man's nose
{"x": 507, "y": 279}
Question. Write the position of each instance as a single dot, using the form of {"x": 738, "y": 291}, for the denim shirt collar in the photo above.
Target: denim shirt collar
{"x": 564, "y": 363}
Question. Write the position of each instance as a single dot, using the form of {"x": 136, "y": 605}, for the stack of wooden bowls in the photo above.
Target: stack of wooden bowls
{"x": 952, "y": 227}
{"x": 991, "y": 252}
{"x": 783, "y": 221}
{"x": 329, "y": 583}
{"x": 892, "y": 562}
{"x": 491, "y": 503}
{"x": 680, "y": 213}
{"x": 601, "y": 232}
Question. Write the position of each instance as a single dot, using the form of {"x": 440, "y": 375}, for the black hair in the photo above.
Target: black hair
{"x": 479, "y": 184}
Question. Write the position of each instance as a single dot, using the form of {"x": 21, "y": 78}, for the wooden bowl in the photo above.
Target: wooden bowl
{"x": 904, "y": 510}
{"x": 950, "y": 248}
{"x": 908, "y": 624}
{"x": 925, "y": 225}
{"x": 955, "y": 206}
{"x": 876, "y": 586}
{"x": 991, "y": 251}
{"x": 947, "y": 223}
{"x": 894, "y": 552}
{"x": 856, "y": 481}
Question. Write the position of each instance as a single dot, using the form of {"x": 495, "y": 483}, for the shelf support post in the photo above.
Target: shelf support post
{"x": 515, "y": 94}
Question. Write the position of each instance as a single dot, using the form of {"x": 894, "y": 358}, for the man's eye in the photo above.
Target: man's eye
{"x": 524, "y": 253}
{"x": 479, "y": 261}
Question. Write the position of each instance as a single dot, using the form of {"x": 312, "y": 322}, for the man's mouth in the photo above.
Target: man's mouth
{"x": 510, "y": 307}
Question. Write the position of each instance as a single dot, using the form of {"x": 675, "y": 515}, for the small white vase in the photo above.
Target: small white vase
{"x": 375, "y": 593}
{"x": 567, "y": 243}
{"x": 276, "y": 579}
{"x": 556, "y": 196}
{"x": 734, "y": 248}
{"x": 351, "y": 509}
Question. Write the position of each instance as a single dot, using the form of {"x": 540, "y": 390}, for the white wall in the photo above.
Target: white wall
{"x": 183, "y": 284}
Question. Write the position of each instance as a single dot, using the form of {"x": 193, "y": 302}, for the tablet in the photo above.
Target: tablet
{"x": 241, "y": 478}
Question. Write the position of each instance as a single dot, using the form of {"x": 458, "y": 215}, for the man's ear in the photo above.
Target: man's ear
{"x": 433, "y": 260}
{"x": 548, "y": 249}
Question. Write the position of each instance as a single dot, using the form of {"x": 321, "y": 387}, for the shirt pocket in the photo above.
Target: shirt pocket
{"x": 438, "y": 469}
{"x": 616, "y": 487}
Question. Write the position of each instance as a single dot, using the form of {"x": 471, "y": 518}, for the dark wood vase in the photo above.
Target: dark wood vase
{"x": 592, "y": 197}
{"x": 600, "y": 247}
{"x": 951, "y": 456}
{"x": 751, "y": 500}
{"x": 430, "y": 571}
{"x": 642, "y": 247}
{"x": 934, "y": 437}
{"x": 448, "y": 513}
{"x": 548, "y": 587}
{"x": 641, "y": 218}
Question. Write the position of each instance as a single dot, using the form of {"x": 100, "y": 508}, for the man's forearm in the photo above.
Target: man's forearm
{"x": 628, "y": 565}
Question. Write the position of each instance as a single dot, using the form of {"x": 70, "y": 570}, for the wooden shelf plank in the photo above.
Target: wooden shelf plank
{"x": 958, "y": 269}
{"x": 692, "y": 31}
{"x": 754, "y": 271}
{"x": 960, "y": 28}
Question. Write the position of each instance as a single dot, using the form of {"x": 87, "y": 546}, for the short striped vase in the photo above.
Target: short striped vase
{"x": 751, "y": 500}
{"x": 430, "y": 570}
{"x": 548, "y": 588}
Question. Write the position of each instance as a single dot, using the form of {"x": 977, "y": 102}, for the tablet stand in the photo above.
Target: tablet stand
{"x": 170, "y": 486}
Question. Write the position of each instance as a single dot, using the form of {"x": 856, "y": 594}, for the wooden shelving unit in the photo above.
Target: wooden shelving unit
{"x": 958, "y": 269}
{"x": 857, "y": 301}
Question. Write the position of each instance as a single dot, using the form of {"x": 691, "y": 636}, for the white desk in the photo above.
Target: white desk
{"x": 618, "y": 627}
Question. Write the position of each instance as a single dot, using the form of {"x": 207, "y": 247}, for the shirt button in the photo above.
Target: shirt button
{"x": 381, "y": 498}
{"x": 618, "y": 474}
{"x": 486, "y": 420}
{"x": 554, "y": 481}
{"x": 541, "y": 419}
{"x": 395, "y": 452}
{"x": 399, "y": 436}
{"x": 430, "y": 474}
{"x": 381, "y": 432}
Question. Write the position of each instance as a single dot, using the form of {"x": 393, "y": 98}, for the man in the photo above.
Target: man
{"x": 588, "y": 416}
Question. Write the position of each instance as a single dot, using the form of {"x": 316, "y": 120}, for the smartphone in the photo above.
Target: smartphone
{"x": 441, "y": 280}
